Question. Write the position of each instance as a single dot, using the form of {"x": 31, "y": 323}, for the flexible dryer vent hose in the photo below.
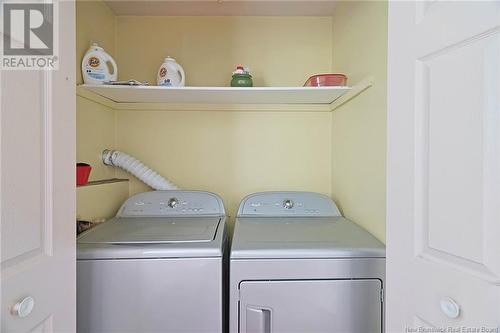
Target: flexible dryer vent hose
{"x": 138, "y": 169}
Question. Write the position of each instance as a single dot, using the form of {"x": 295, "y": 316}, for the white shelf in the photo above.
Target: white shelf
{"x": 103, "y": 182}
{"x": 221, "y": 98}
{"x": 219, "y": 95}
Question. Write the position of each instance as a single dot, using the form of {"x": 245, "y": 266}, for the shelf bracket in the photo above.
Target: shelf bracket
{"x": 355, "y": 91}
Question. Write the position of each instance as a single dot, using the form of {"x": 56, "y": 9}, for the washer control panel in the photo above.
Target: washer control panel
{"x": 172, "y": 203}
{"x": 288, "y": 204}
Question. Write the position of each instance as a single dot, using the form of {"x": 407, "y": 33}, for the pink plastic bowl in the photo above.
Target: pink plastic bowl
{"x": 326, "y": 80}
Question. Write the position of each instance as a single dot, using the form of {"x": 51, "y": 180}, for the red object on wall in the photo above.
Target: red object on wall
{"x": 326, "y": 80}
{"x": 82, "y": 173}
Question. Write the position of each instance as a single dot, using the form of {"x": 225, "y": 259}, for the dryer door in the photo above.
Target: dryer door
{"x": 313, "y": 306}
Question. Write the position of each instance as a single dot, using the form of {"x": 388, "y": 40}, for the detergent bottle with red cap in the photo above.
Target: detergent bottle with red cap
{"x": 241, "y": 77}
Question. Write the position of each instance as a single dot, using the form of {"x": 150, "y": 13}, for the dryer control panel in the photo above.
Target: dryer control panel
{"x": 172, "y": 203}
{"x": 275, "y": 204}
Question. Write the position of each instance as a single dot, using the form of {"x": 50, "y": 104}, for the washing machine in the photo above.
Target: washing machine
{"x": 156, "y": 267}
{"x": 296, "y": 265}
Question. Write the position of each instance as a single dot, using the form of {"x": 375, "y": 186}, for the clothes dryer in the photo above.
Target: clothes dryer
{"x": 296, "y": 265}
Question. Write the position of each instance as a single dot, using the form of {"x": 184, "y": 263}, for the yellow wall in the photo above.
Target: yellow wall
{"x": 235, "y": 153}
{"x": 280, "y": 51}
{"x": 95, "y": 123}
{"x": 359, "y": 126}
{"x": 95, "y": 23}
{"x": 99, "y": 202}
{"x": 232, "y": 154}
{"x": 95, "y": 131}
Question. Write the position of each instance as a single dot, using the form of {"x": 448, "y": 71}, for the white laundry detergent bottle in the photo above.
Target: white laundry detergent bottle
{"x": 171, "y": 74}
{"x": 95, "y": 68}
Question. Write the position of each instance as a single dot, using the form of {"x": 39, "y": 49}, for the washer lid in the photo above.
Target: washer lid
{"x": 302, "y": 237}
{"x": 153, "y": 230}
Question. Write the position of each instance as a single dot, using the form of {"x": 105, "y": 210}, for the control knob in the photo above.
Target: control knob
{"x": 173, "y": 202}
{"x": 288, "y": 204}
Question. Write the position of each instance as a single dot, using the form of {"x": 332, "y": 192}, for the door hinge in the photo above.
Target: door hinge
{"x": 381, "y": 295}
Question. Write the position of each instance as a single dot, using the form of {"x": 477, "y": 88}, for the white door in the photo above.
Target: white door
{"x": 443, "y": 211}
{"x": 38, "y": 192}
